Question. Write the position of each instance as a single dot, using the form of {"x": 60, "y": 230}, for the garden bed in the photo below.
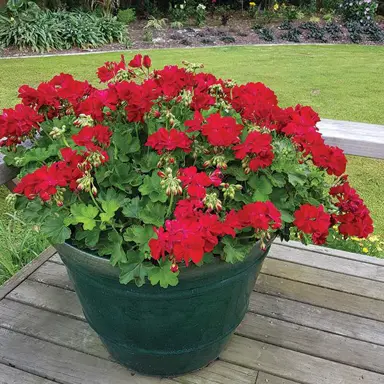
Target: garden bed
{"x": 239, "y": 31}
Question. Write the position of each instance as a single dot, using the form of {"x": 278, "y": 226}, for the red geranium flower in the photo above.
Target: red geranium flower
{"x": 17, "y": 124}
{"x": 110, "y": 69}
{"x": 194, "y": 181}
{"x": 258, "y": 146}
{"x": 195, "y": 124}
{"x": 313, "y": 220}
{"x": 221, "y": 131}
{"x": 260, "y": 216}
{"x": 164, "y": 140}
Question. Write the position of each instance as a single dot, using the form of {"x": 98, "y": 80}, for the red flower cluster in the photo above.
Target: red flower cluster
{"x": 313, "y": 220}
{"x": 164, "y": 140}
{"x": 353, "y": 218}
{"x": 260, "y": 216}
{"x": 194, "y": 232}
{"x": 17, "y": 124}
{"x": 221, "y": 131}
{"x": 58, "y": 96}
{"x": 259, "y": 149}
{"x": 93, "y": 138}
{"x": 45, "y": 181}
{"x": 301, "y": 127}
{"x": 196, "y": 182}
{"x": 110, "y": 69}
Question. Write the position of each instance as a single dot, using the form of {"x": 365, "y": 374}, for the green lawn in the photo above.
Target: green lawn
{"x": 340, "y": 82}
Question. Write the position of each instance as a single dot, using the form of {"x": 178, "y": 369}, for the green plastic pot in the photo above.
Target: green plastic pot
{"x": 157, "y": 331}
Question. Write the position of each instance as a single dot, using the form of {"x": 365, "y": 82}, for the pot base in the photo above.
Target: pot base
{"x": 151, "y": 363}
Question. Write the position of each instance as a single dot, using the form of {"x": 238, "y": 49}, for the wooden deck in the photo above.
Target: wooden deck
{"x": 316, "y": 316}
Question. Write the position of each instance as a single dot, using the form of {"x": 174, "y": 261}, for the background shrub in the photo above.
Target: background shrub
{"x": 126, "y": 16}
{"x": 361, "y": 11}
{"x": 44, "y": 30}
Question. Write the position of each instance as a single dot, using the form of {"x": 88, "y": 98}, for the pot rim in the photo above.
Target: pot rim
{"x": 102, "y": 264}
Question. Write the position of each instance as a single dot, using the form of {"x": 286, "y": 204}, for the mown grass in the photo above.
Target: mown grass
{"x": 340, "y": 82}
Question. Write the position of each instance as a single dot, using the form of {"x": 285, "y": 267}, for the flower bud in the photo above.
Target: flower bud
{"x": 174, "y": 268}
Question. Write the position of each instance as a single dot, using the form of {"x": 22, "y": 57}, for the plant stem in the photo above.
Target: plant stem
{"x": 169, "y": 206}
{"x": 94, "y": 201}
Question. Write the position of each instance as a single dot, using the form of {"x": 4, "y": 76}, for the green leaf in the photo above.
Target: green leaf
{"x": 277, "y": 179}
{"x": 84, "y": 214}
{"x": 153, "y": 213}
{"x": 109, "y": 207}
{"x": 163, "y": 275}
{"x": 91, "y": 238}
{"x": 296, "y": 179}
{"x": 286, "y": 216}
{"x": 125, "y": 142}
{"x": 34, "y": 210}
{"x": 151, "y": 187}
{"x": 233, "y": 251}
{"x": 40, "y": 154}
{"x": 140, "y": 234}
{"x": 134, "y": 270}
{"x": 114, "y": 248}
{"x": 260, "y": 184}
{"x": 132, "y": 208}
{"x": 55, "y": 229}
{"x": 148, "y": 162}
{"x": 259, "y": 196}
{"x": 237, "y": 172}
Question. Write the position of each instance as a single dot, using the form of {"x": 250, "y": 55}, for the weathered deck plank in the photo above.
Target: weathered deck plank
{"x": 49, "y": 326}
{"x": 322, "y": 278}
{"x": 328, "y": 263}
{"x": 313, "y": 342}
{"x": 323, "y": 319}
{"x": 265, "y": 378}
{"x": 321, "y": 297}
{"x": 45, "y": 297}
{"x": 9, "y": 375}
{"x": 294, "y": 365}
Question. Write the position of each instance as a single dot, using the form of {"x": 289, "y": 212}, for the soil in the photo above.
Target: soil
{"x": 239, "y": 31}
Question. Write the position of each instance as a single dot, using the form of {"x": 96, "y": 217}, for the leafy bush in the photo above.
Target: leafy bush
{"x": 291, "y": 13}
{"x": 178, "y": 12}
{"x": 374, "y": 32}
{"x": 285, "y": 25}
{"x": 292, "y": 34}
{"x": 126, "y": 16}
{"x": 266, "y": 34}
{"x": 355, "y": 30}
{"x": 154, "y": 23}
{"x": 361, "y": 11}
{"x": 228, "y": 39}
{"x": 200, "y": 14}
{"x": 333, "y": 30}
{"x": 41, "y": 31}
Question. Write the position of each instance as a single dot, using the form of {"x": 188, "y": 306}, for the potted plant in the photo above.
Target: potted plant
{"x": 171, "y": 179}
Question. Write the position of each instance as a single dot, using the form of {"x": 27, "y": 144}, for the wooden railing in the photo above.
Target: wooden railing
{"x": 354, "y": 138}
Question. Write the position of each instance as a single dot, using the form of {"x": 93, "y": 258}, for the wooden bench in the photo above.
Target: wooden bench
{"x": 316, "y": 316}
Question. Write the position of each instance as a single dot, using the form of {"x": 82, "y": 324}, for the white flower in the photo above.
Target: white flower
{"x": 201, "y": 6}
{"x": 182, "y": 6}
